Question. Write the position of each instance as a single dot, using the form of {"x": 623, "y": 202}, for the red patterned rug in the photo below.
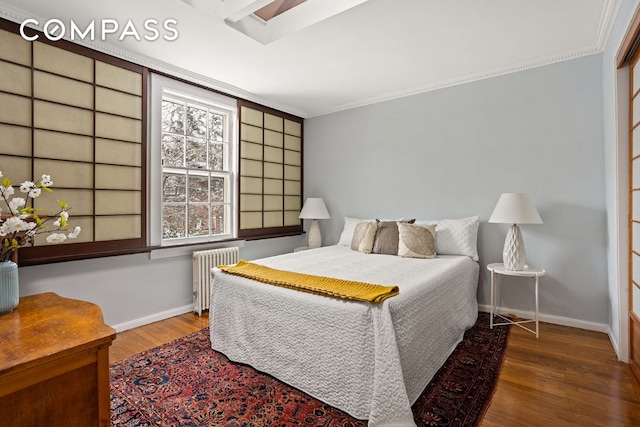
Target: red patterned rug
{"x": 185, "y": 383}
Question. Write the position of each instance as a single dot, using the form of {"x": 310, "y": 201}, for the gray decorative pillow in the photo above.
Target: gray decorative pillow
{"x": 387, "y": 237}
{"x": 416, "y": 241}
{"x": 364, "y": 236}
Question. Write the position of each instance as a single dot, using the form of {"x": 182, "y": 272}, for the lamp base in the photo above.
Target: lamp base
{"x": 315, "y": 239}
{"x": 513, "y": 252}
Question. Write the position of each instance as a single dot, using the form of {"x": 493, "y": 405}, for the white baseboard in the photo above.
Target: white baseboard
{"x": 120, "y": 327}
{"x": 549, "y": 318}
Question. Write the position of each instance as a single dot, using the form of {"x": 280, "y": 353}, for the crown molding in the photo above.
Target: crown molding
{"x": 19, "y": 16}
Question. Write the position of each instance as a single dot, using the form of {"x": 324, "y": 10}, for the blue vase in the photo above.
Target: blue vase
{"x": 8, "y": 286}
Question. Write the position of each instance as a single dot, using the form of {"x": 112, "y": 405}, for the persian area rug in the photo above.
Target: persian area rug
{"x": 185, "y": 383}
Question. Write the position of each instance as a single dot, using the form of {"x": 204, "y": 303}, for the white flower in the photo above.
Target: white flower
{"x": 34, "y": 192}
{"x": 16, "y": 204}
{"x": 56, "y": 238}
{"x": 6, "y": 191}
{"x": 26, "y": 186}
{"x": 13, "y": 224}
{"x": 0, "y": 174}
{"x": 75, "y": 232}
{"x": 46, "y": 181}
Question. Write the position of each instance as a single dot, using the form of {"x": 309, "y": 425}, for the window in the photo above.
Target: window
{"x": 79, "y": 116}
{"x": 193, "y": 143}
{"x": 270, "y": 172}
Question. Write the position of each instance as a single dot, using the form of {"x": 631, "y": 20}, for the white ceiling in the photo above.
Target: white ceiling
{"x": 374, "y": 51}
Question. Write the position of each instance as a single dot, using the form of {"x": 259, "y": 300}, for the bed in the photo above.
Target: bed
{"x": 370, "y": 360}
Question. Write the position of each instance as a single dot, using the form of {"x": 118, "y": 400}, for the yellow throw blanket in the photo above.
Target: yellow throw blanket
{"x": 338, "y": 288}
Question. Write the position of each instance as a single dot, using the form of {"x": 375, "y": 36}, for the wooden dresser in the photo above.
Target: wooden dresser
{"x": 54, "y": 364}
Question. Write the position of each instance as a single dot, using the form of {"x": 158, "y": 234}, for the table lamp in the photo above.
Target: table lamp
{"x": 314, "y": 209}
{"x": 514, "y": 209}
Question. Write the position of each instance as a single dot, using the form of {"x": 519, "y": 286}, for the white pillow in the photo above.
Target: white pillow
{"x": 457, "y": 236}
{"x": 347, "y": 231}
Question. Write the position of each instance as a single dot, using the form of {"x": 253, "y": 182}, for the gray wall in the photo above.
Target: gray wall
{"x": 450, "y": 153}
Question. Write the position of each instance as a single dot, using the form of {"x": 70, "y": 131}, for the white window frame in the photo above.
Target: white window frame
{"x": 159, "y": 86}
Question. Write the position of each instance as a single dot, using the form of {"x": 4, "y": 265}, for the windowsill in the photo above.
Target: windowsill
{"x": 159, "y": 252}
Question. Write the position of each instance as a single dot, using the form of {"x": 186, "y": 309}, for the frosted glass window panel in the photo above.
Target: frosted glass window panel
{"x": 292, "y": 128}
{"x": 123, "y": 104}
{"x": 273, "y": 170}
{"x": 81, "y": 201}
{"x": 20, "y": 111}
{"x": 18, "y": 169}
{"x": 196, "y": 122}
{"x": 273, "y": 155}
{"x": 292, "y": 158}
{"x": 64, "y": 146}
{"x": 63, "y": 62}
{"x": 292, "y": 188}
{"x": 292, "y": 203}
{"x": 173, "y": 117}
{"x": 293, "y": 143}
{"x": 274, "y": 139}
{"x": 15, "y": 140}
{"x": 196, "y": 153}
{"x": 291, "y": 218}
{"x": 173, "y": 150}
{"x": 109, "y": 202}
{"x": 273, "y": 203}
{"x": 251, "y": 168}
{"x": 251, "y": 116}
{"x": 118, "y": 152}
{"x": 635, "y": 259}
{"x": 273, "y": 219}
{"x": 636, "y": 300}
{"x": 174, "y": 222}
{"x": 14, "y": 48}
{"x": 251, "y": 202}
{"x": 198, "y": 220}
{"x": 198, "y": 188}
{"x": 250, "y": 150}
{"x": 121, "y": 128}
{"x": 251, "y": 133}
{"x": 117, "y": 227}
{"x": 174, "y": 188}
{"x": 65, "y": 174}
{"x": 60, "y": 89}
{"x": 15, "y": 79}
{"x": 635, "y": 164}
{"x": 293, "y": 173}
{"x": 113, "y": 77}
{"x": 84, "y": 222}
{"x": 250, "y": 220}
{"x": 636, "y": 109}
{"x": 249, "y": 185}
{"x": 635, "y": 200}
{"x": 273, "y": 186}
{"x": 636, "y": 140}
{"x": 636, "y": 79}
{"x": 62, "y": 118}
{"x": 273, "y": 122}
{"x": 110, "y": 177}
{"x": 636, "y": 237}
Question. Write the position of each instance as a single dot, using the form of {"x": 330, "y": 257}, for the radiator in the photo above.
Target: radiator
{"x": 203, "y": 262}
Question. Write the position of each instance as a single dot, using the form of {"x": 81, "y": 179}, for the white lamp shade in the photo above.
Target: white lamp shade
{"x": 314, "y": 208}
{"x": 515, "y": 208}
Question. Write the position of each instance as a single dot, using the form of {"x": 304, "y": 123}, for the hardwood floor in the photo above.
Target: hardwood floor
{"x": 567, "y": 377}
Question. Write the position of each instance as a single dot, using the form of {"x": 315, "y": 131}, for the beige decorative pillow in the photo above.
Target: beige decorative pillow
{"x": 364, "y": 236}
{"x": 387, "y": 237}
{"x": 416, "y": 241}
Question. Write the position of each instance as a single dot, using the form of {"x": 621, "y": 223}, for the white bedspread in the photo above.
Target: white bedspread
{"x": 370, "y": 360}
